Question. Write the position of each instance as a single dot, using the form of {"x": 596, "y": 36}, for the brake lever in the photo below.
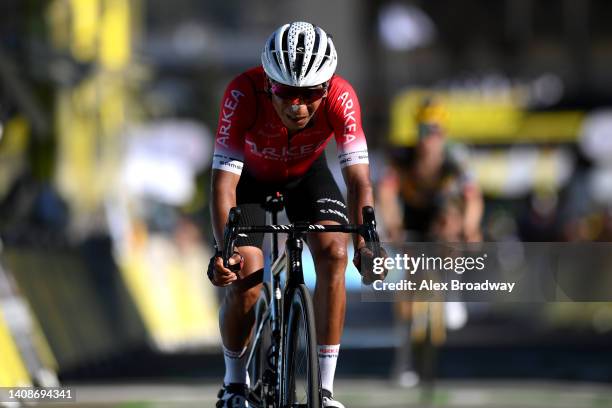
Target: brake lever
{"x": 369, "y": 233}
{"x": 229, "y": 236}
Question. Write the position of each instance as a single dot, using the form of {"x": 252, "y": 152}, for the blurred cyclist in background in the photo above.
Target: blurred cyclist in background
{"x": 427, "y": 195}
{"x": 417, "y": 176}
{"x": 275, "y": 122}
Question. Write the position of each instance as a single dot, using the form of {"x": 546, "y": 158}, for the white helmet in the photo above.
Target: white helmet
{"x": 299, "y": 54}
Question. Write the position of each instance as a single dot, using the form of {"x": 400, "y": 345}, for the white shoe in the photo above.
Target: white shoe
{"x": 456, "y": 315}
{"x": 329, "y": 401}
{"x": 408, "y": 379}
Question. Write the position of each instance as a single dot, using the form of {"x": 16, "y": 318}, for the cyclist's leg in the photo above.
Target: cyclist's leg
{"x": 236, "y": 316}
{"x": 236, "y": 313}
{"x": 330, "y": 257}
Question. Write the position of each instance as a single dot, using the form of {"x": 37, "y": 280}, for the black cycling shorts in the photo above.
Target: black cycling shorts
{"x": 313, "y": 197}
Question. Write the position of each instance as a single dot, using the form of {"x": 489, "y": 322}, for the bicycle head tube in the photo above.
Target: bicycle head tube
{"x": 295, "y": 273}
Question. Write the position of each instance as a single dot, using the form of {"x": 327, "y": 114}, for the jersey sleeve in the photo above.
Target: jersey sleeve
{"x": 237, "y": 114}
{"x": 344, "y": 115}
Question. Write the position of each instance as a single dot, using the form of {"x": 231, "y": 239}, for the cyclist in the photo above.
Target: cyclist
{"x": 275, "y": 122}
{"x": 419, "y": 175}
{"x": 427, "y": 195}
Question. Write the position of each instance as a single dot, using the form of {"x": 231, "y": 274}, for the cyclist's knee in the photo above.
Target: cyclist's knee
{"x": 336, "y": 252}
{"x": 330, "y": 248}
{"x": 245, "y": 297}
{"x": 331, "y": 261}
{"x": 253, "y": 258}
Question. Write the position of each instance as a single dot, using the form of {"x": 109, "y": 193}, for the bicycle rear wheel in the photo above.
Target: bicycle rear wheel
{"x": 300, "y": 386}
{"x": 261, "y": 342}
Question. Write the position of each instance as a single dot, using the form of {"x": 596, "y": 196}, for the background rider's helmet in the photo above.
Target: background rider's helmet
{"x": 431, "y": 117}
{"x": 299, "y": 54}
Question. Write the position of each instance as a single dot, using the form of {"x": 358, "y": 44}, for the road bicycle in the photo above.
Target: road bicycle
{"x": 282, "y": 357}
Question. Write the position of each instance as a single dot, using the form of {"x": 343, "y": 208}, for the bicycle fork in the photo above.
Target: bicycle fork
{"x": 294, "y": 277}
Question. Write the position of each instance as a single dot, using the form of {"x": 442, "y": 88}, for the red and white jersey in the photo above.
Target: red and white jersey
{"x": 251, "y": 133}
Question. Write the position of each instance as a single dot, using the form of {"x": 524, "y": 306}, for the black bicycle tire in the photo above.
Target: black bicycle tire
{"x": 261, "y": 344}
{"x": 300, "y": 307}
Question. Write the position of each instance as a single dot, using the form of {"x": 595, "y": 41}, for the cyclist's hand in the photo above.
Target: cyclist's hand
{"x": 222, "y": 276}
{"x": 364, "y": 262}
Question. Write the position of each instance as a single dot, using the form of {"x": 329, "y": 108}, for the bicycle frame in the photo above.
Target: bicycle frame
{"x": 291, "y": 261}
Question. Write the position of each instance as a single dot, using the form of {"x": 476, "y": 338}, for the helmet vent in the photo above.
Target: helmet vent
{"x": 299, "y": 56}
{"x": 326, "y": 57}
{"x": 271, "y": 44}
{"x": 313, "y": 57}
{"x": 284, "y": 48}
{"x": 273, "y": 51}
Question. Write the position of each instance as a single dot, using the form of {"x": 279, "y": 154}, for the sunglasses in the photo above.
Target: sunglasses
{"x": 307, "y": 95}
{"x": 428, "y": 129}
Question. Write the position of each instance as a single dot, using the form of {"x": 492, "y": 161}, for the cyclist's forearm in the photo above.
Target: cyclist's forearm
{"x": 223, "y": 198}
{"x": 359, "y": 195}
{"x": 220, "y": 207}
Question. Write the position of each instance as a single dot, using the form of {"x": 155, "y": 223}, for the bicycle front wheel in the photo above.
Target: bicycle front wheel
{"x": 300, "y": 383}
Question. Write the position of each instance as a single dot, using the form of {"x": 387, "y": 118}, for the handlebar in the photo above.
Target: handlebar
{"x": 367, "y": 230}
